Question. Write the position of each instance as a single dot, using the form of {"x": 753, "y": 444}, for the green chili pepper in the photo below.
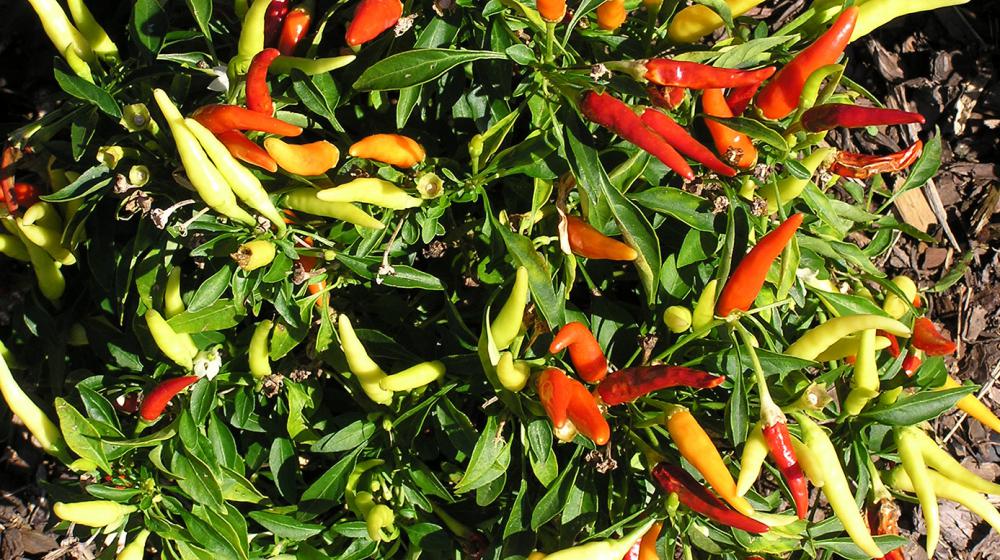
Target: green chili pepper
{"x": 172, "y": 302}
{"x": 789, "y": 188}
{"x": 177, "y": 346}
{"x": 243, "y": 183}
{"x": 816, "y": 340}
{"x": 206, "y": 179}
{"x": 913, "y": 462}
{"x": 304, "y": 200}
{"x": 941, "y": 461}
{"x": 507, "y": 324}
{"x": 865, "y": 383}
{"x": 257, "y": 354}
{"x": 950, "y": 490}
{"x": 95, "y": 513}
{"x": 78, "y": 65}
{"x": 135, "y": 550}
{"x": 99, "y": 41}
{"x": 755, "y": 452}
{"x": 704, "y": 309}
{"x": 49, "y": 437}
{"x": 413, "y": 377}
{"x": 309, "y": 66}
{"x": 61, "y": 32}
{"x": 48, "y": 240}
{"x": 809, "y": 463}
{"x": 835, "y": 487}
{"x": 50, "y": 279}
{"x": 360, "y": 363}
{"x": 11, "y": 246}
{"x": 251, "y": 39}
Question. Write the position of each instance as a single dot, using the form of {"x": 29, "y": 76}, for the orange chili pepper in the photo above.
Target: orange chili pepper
{"x": 747, "y": 279}
{"x": 585, "y": 414}
{"x": 863, "y": 166}
{"x": 734, "y": 147}
{"x": 308, "y": 160}
{"x": 308, "y": 263}
{"x": 371, "y": 18}
{"x": 584, "y": 351}
{"x": 586, "y": 241}
{"x": 394, "y": 149}
{"x": 220, "y": 118}
{"x": 611, "y": 14}
{"x": 647, "y": 546}
{"x": 554, "y": 390}
{"x": 243, "y": 149}
{"x": 295, "y": 28}
{"x": 552, "y": 11}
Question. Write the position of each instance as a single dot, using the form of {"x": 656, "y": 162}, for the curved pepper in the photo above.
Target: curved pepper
{"x": 616, "y": 116}
{"x": 101, "y": 44}
{"x": 704, "y": 309}
{"x": 843, "y": 115}
{"x": 308, "y": 160}
{"x": 177, "y": 346}
{"x": 245, "y": 150}
{"x": 43, "y": 429}
{"x": 413, "y": 377}
{"x": 951, "y": 490}
{"x": 611, "y": 14}
{"x": 693, "y": 495}
{"x": 258, "y": 92}
{"x": 694, "y": 22}
{"x": 876, "y": 13}
{"x": 295, "y": 28}
{"x": 156, "y": 401}
{"x": 926, "y": 337}
{"x": 508, "y": 322}
{"x": 222, "y": 118}
{"x": 371, "y": 18}
{"x": 586, "y": 241}
{"x": 95, "y": 513}
{"x": 512, "y": 374}
{"x": 257, "y": 352}
{"x": 821, "y": 337}
{"x": 51, "y": 281}
{"x": 49, "y": 240}
{"x": 847, "y": 347}
{"x": 63, "y": 34}
{"x": 584, "y": 351}
{"x": 135, "y": 550}
{"x": 748, "y": 278}
{"x": 394, "y": 149}
{"x": 971, "y": 405}
{"x": 896, "y": 307}
{"x": 612, "y": 549}
{"x": 683, "y": 142}
{"x": 647, "y": 545}
{"x": 835, "y": 487}
{"x": 865, "y": 382}
{"x": 304, "y": 200}
{"x": 585, "y": 414}
{"x": 755, "y": 451}
{"x": 369, "y": 374}
{"x": 11, "y": 246}
{"x": 863, "y": 166}
{"x": 370, "y": 190}
{"x": 790, "y": 187}
{"x": 626, "y": 385}
{"x": 942, "y": 462}
{"x": 310, "y": 66}
{"x": 735, "y": 147}
{"x": 692, "y": 75}
{"x": 781, "y": 95}
{"x": 251, "y": 39}
{"x": 697, "y": 447}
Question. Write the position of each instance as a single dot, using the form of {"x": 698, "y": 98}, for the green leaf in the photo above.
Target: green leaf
{"x": 92, "y": 180}
{"x": 197, "y": 480}
{"x": 551, "y": 305}
{"x": 202, "y": 12}
{"x": 212, "y": 289}
{"x": 285, "y": 526}
{"x": 149, "y": 24}
{"x": 351, "y": 436}
{"x": 415, "y": 67}
{"x": 754, "y": 129}
{"x": 911, "y": 410}
{"x": 81, "y": 436}
{"x": 221, "y": 315}
{"x": 489, "y": 460}
{"x": 403, "y": 277}
{"x": 86, "y": 91}
{"x": 683, "y": 206}
{"x": 326, "y": 491}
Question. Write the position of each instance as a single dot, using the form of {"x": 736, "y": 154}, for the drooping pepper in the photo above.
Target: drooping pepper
{"x": 257, "y": 352}
{"x": 739, "y": 98}
{"x": 95, "y": 513}
{"x": 370, "y": 190}
{"x": 156, "y": 401}
{"x": 571, "y": 407}
{"x": 626, "y": 385}
{"x": 971, "y": 405}
{"x": 510, "y": 319}
{"x": 135, "y": 550}
{"x": 941, "y": 461}
{"x": 43, "y": 429}
{"x": 696, "y": 497}
{"x": 697, "y": 447}
{"x": 360, "y": 364}
{"x": 12, "y": 247}
{"x": 755, "y": 451}
{"x": 179, "y": 347}
{"x": 819, "y": 338}
{"x": 512, "y": 374}
{"x": 308, "y": 160}
{"x": 394, "y": 149}
{"x": 735, "y": 147}
{"x": 692, "y": 75}
{"x": 781, "y": 95}
{"x": 221, "y": 118}
{"x": 304, "y": 200}
{"x": 647, "y": 545}
{"x": 748, "y": 278}
{"x": 172, "y": 302}
{"x": 612, "y": 549}
{"x": 926, "y": 337}
{"x": 835, "y": 486}
{"x": 252, "y": 34}
{"x": 950, "y": 490}
{"x": 51, "y": 281}
{"x": 101, "y": 44}
{"x": 273, "y": 20}
{"x": 913, "y": 462}
{"x": 258, "y": 92}
{"x": 896, "y": 307}
{"x": 413, "y": 377}
{"x": 243, "y": 149}
{"x": 611, "y": 14}
{"x": 704, "y": 309}
{"x": 616, "y": 116}
{"x": 683, "y": 142}
{"x": 63, "y": 34}
{"x": 586, "y": 241}
{"x": 371, "y": 18}
{"x": 789, "y": 188}
{"x": 694, "y": 22}
{"x": 876, "y": 13}
{"x": 295, "y": 28}
{"x": 585, "y": 414}
{"x": 843, "y": 115}
{"x": 584, "y": 351}
{"x": 865, "y": 381}
{"x": 310, "y": 66}
{"x": 862, "y": 166}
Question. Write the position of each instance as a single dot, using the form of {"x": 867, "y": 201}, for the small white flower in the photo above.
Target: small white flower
{"x": 221, "y": 81}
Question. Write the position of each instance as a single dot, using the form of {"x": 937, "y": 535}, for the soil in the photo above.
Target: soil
{"x": 941, "y": 64}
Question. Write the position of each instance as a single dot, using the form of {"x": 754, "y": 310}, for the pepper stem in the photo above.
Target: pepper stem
{"x": 770, "y": 414}
{"x": 634, "y": 68}
{"x": 550, "y": 38}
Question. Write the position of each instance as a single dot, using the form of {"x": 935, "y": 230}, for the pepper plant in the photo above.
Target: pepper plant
{"x": 298, "y": 278}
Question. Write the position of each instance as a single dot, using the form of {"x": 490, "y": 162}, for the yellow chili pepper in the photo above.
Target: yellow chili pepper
{"x": 413, "y": 377}
{"x": 360, "y": 363}
{"x": 809, "y": 463}
{"x": 697, "y": 447}
{"x": 816, "y": 340}
{"x": 99, "y": 41}
{"x": 206, "y": 179}
{"x": 50, "y": 279}
{"x": 95, "y": 513}
{"x": 172, "y": 302}
{"x": 43, "y": 429}
{"x": 394, "y": 149}
{"x": 508, "y": 322}
{"x": 177, "y": 346}
{"x": 512, "y": 374}
{"x": 917, "y": 471}
{"x": 951, "y": 490}
{"x": 865, "y": 382}
{"x": 11, "y": 246}
{"x": 612, "y": 549}
{"x": 251, "y": 39}
{"x": 893, "y": 305}
{"x": 789, "y": 188}
{"x": 873, "y": 14}
{"x": 971, "y": 405}
{"x": 755, "y": 452}
{"x": 304, "y": 200}
{"x": 704, "y": 310}
{"x": 308, "y": 160}
{"x": 848, "y": 346}
{"x": 694, "y": 22}
{"x": 941, "y": 461}
{"x": 257, "y": 353}
{"x": 370, "y": 190}
{"x": 242, "y": 182}
{"x": 49, "y": 240}
{"x": 677, "y": 318}
{"x": 309, "y": 66}
{"x": 135, "y": 550}
{"x": 42, "y": 214}
{"x": 61, "y": 32}
{"x": 78, "y": 65}
{"x": 255, "y": 254}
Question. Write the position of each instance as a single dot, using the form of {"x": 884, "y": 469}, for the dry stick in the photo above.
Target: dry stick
{"x": 982, "y": 392}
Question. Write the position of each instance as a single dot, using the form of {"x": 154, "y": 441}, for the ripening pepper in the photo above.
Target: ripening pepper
{"x": 734, "y": 147}
{"x": 252, "y": 34}
{"x": 257, "y": 352}
{"x": 304, "y": 199}
{"x": 243, "y": 149}
{"x": 690, "y": 493}
{"x": 613, "y": 549}
{"x": 258, "y": 92}
{"x": 586, "y": 241}
{"x": 694, "y": 22}
{"x": 370, "y": 190}
{"x": 371, "y": 18}
{"x": 628, "y": 384}
{"x": 177, "y": 346}
{"x": 361, "y": 365}
{"x": 221, "y": 118}
{"x": 611, "y": 14}
{"x": 748, "y": 278}
{"x": 295, "y": 28}
{"x": 95, "y": 513}
{"x": 274, "y": 18}
{"x": 308, "y": 160}
{"x": 309, "y": 66}
{"x": 394, "y": 149}
{"x": 896, "y": 307}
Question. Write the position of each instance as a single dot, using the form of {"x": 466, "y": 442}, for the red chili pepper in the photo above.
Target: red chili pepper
{"x": 779, "y": 443}
{"x": 157, "y": 400}
{"x": 220, "y": 118}
{"x": 555, "y": 391}
{"x": 585, "y": 414}
{"x": 668, "y": 98}
{"x": 273, "y": 18}
{"x": 746, "y": 281}
{"x": 893, "y": 342}
{"x": 842, "y": 115}
{"x": 684, "y": 142}
{"x": 883, "y": 519}
{"x": 586, "y": 241}
{"x": 696, "y": 497}
{"x": 371, "y": 18}
{"x": 626, "y": 385}
{"x": 243, "y": 149}
{"x": 691, "y": 75}
{"x": 10, "y": 156}
{"x": 295, "y": 28}
{"x": 584, "y": 351}
{"x": 609, "y": 112}
{"x": 740, "y": 97}
{"x": 735, "y": 147}
{"x": 926, "y": 337}
{"x": 863, "y": 166}
{"x": 258, "y": 92}
{"x": 781, "y": 96}
{"x": 911, "y": 363}
{"x": 26, "y": 194}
